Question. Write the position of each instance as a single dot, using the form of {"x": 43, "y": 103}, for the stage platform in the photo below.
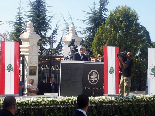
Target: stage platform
{"x": 55, "y": 95}
{"x": 137, "y": 93}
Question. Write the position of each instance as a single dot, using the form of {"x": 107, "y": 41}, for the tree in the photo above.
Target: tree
{"x": 65, "y": 31}
{"x": 95, "y": 19}
{"x": 52, "y": 39}
{"x": 41, "y": 22}
{"x": 6, "y": 36}
{"x": 59, "y": 47}
{"x": 122, "y": 29}
{"x": 18, "y": 27}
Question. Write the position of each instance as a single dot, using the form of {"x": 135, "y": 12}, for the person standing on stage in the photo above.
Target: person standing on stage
{"x": 125, "y": 82}
{"x": 80, "y": 56}
{"x": 99, "y": 58}
{"x": 87, "y": 55}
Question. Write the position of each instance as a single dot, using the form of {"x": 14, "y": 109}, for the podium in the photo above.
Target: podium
{"x": 79, "y": 77}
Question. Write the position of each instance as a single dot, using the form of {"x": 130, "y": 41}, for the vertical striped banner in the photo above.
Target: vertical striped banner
{"x": 16, "y": 68}
{"x": 9, "y": 74}
{"x": 151, "y": 71}
{"x": 2, "y": 76}
{"x": 111, "y": 70}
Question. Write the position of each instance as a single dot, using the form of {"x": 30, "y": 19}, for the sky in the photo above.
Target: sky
{"x": 75, "y": 8}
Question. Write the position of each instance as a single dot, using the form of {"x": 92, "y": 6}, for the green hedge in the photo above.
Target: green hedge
{"x": 98, "y": 106}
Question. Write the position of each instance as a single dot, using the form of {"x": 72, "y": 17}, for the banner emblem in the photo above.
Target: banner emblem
{"x": 9, "y": 68}
{"x": 93, "y": 77}
{"x": 152, "y": 71}
{"x": 111, "y": 71}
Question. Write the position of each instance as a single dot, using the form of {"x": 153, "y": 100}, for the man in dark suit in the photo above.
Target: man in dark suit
{"x": 53, "y": 87}
{"x": 87, "y": 55}
{"x": 43, "y": 87}
{"x": 99, "y": 58}
{"x": 82, "y": 102}
{"x": 9, "y": 106}
{"x": 80, "y": 56}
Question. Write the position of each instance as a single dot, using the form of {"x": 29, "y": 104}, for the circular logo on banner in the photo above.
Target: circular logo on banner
{"x": 151, "y": 71}
{"x": 93, "y": 77}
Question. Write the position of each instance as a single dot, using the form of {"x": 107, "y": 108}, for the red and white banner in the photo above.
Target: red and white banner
{"x": 111, "y": 70}
{"x": 9, "y": 68}
{"x": 151, "y": 71}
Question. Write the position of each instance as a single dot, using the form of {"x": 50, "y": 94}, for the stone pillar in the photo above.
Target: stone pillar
{"x": 72, "y": 35}
{"x": 30, "y": 49}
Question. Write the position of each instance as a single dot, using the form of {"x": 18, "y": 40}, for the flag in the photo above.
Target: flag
{"x": 9, "y": 68}
{"x": 151, "y": 71}
{"x": 111, "y": 70}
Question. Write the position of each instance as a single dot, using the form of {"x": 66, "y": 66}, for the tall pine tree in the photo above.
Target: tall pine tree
{"x": 59, "y": 47}
{"x": 96, "y": 17}
{"x": 19, "y": 25}
{"x": 41, "y": 22}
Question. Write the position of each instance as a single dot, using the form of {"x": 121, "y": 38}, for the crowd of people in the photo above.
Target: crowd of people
{"x": 83, "y": 55}
{"x": 43, "y": 87}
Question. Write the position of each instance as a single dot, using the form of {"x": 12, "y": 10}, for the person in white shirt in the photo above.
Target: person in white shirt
{"x": 31, "y": 88}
